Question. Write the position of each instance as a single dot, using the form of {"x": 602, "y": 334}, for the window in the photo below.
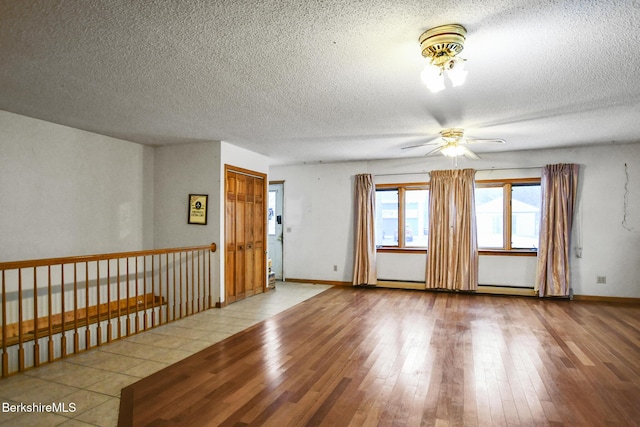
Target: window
{"x": 271, "y": 213}
{"x": 402, "y": 216}
{"x": 508, "y": 214}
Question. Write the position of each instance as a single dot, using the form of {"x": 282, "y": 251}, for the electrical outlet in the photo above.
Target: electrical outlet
{"x": 601, "y": 279}
{"x": 335, "y": 268}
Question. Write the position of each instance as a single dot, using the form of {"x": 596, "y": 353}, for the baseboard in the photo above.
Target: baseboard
{"x": 482, "y": 289}
{"x": 319, "y": 282}
{"x": 400, "y": 284}
{"x": 506, "y": 290}
{"x": 598, "y": 298}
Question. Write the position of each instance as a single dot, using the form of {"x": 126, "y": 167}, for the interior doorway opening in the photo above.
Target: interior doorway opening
{"x": 275, "y": 224}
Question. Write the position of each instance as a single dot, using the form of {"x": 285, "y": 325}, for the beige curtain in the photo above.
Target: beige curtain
{"x": 364, "y": 269}
{"x": 452, "y": 258}
{"x": 558, "y": 185}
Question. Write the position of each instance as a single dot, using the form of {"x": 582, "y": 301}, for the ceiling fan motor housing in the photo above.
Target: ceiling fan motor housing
{"x": 452, "y": 134}
{"x": 442, "y": 43}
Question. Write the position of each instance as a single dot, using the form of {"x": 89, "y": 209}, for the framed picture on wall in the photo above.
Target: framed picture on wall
{"x": 198, "y": 209}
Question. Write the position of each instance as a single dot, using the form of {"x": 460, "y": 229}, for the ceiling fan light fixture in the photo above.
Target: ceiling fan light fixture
{"x": 433, "y": 78}
{"x": 456, "y": 72}
{"x": 453, "y": 150}
{"x": 441, "y": 45}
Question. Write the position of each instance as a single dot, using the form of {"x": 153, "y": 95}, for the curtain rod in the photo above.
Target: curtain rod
{"x": 477, "y": 170}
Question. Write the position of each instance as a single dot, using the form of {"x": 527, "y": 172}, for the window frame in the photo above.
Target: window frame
{"x": 507, "y": 184}
{"x": 507, "y": 217}
{"x": 402, "y": 189}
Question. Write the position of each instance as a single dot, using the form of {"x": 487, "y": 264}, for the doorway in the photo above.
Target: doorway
{"x": 245, "y": 211}
{"x": 274, "y": 227}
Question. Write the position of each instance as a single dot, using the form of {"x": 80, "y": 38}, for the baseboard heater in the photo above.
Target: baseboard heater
{"x": 482, "y": 288}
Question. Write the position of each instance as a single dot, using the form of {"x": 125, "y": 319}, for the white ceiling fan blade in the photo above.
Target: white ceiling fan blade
{"x": 435, "y": 151}
{"x": 468, "y": 153}
{"x": 484, "y": 141}
{"x": 431, "y": 142}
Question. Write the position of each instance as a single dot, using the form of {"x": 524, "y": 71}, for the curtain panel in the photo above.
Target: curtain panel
{"x": 452, "y": 258}
{"x": 364, "y": 269}
{"x": 559, "y": 186}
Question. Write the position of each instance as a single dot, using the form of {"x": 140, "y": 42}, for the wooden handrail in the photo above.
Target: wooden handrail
{"x": 12, "y": 265}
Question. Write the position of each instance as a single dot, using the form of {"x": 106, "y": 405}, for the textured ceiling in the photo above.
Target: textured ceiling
{"x": 323, "y": 80}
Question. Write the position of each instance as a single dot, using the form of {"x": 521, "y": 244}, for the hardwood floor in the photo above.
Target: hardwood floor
{"x": 361, "y": 357}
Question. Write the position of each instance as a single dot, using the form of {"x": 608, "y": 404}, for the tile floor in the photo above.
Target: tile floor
{"x": 93, "y": 380}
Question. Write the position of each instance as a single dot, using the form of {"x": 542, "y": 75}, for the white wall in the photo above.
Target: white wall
{"x": 181, "y": 170}
{"x": 319, "y": 211}
{"x": 318, "y": 220}
{"x": 64, "y": 191}
{"x": 239, "y": 157}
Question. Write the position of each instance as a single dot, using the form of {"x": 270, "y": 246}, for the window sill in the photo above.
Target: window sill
{"x": 511, "y": 252}
{"x": 396, "y": 250}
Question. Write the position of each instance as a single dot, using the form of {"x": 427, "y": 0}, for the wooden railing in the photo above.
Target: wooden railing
{"x": 96, "y": 299}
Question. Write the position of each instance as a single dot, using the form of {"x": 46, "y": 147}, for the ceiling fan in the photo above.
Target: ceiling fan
{"x": 452, "y": 143}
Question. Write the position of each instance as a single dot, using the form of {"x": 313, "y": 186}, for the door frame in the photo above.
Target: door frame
{"x": 265, "y": 188}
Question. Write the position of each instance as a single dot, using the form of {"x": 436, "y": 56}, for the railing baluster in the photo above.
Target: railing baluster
{"x": 203, "y": 279}
{"x": 175, "y": 296}
{"x": 205, "y": 285}
{"x": 51, "y": 355}
{"x": 36, "y": 344}
{"x": 137, "y": 328}
{"x": 20, "y": 325}
{"x": 98, "y": 320}
{"x": 118, "y": 302}
{"x": 128, "y": 302}
{"x": 76, "y": 341}
{"x": 180, "y": 285}
{"x": 199, "y": 283}
{"x": 210, "y": 284}
{"x": 87, "y": 331}
{"x": 5, "y": 355}
{"x": 160, "y": 286}
{"x": 193, "y": 293}
{"x": 144, "y": 293}
{"x": 63, "y": 315}
{"x": 186, "y": 289}
{"x": 153, "y": 287}
{"x": 109, "y": 327}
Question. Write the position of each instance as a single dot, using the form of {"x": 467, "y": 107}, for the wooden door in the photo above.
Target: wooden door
{"x": 259, "y": 235}
{"x": 239, "y": 231}
{"x": 245, "y": 218}
{"x": 230, "y": 237}
{"x": 248, "y": 226}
